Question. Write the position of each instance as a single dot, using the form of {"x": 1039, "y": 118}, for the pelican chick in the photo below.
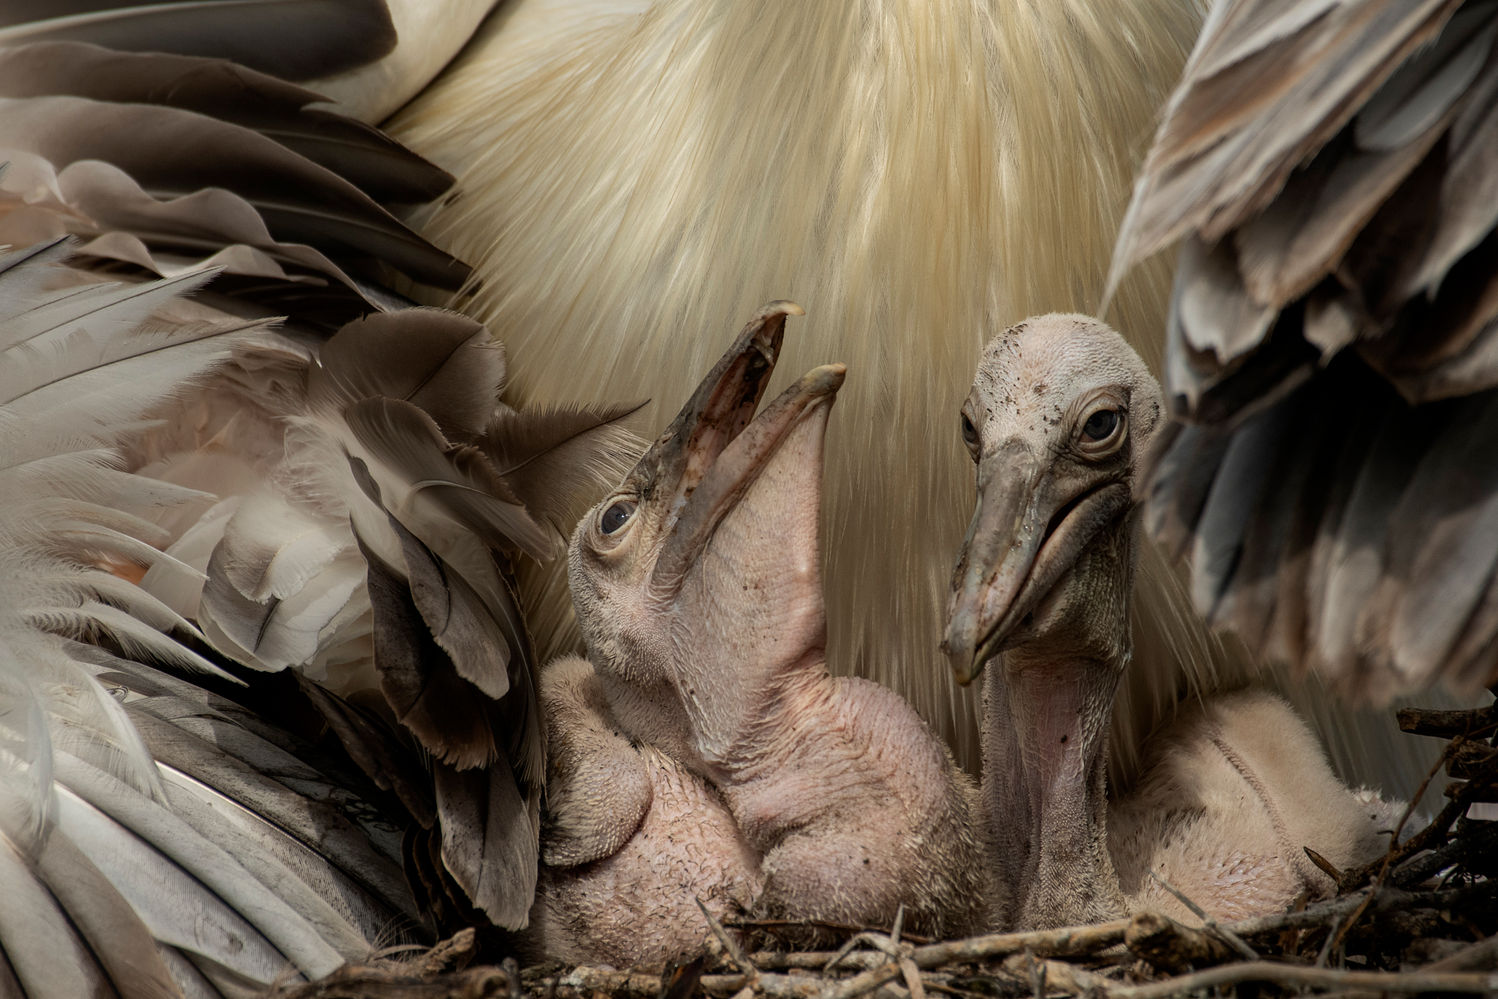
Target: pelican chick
{"x": 698, "y": 588}
{"x": 1059, "y": 421}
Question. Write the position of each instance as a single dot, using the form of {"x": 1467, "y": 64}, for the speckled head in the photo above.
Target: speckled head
{"x": 1059, "y": 421}
{"x": 705, "y": 563}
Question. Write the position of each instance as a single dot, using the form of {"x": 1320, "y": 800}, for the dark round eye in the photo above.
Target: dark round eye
{"x": 616, "y": 516}
{"x": 969, "y": 432}
{"x": 1100, "y": 426}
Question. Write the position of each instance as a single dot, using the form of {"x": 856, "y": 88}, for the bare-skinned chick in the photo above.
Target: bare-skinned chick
{"x": 698, "y": 587}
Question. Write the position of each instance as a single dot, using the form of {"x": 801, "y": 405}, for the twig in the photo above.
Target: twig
{"x": 1069, "y": 941}
{"x": 1171, "y": 947}
{"x": 1390, "y": 898}
{"x": 908, "y": 971}
{"x": 1482, "y": 838}
{"x": 1332, "y": 936}
{"x": 369, "y": 983}
{"x": 813, "y": 960}
{"x": 1481, "y": 955}
{"x": 1045, "y": 975}
{"x": 1208, "y": 923}
{"x": 1299, "y": 975}
{"x": 1446, "y": 724}
{"x": 730, "y": 945}
{"x": 1033, "y": 970}
{"x": 1396, "y": 853}
{"x": 862, "y": 983}
{"x": 588, "y": 981}
{"x": 817, "y": 924}
{"x": 912, "y": 976}
{"x": 1326, "y": 866}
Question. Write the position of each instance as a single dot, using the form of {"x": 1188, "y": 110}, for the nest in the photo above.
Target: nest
{"x": 1421, "y": 919}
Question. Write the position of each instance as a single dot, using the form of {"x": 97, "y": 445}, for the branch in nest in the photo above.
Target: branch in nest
{"x": 1322, "y": 913}
{"x": 1069, "y": 941}
{"x": 1403, "y": 982}
{"x": 374, "y": 983}
{"x": 1446, "y": 724}
{"x": 1171, "y": 947}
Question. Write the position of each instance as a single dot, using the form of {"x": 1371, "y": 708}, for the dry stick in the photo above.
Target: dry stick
{"x": 1398, "y": 854}
{"x": 1356, "y": 878}
{"x": 1326, "y": 945}
{"x": 1035, "y": 971}
{"x": 734, "y": 951}
{"x": 1299, "y": 975}
{"x": 817, "y": 924}
{"x": 862, "y": 983}
{"x": 1447, "y": 724}
{"x": 908, "y": 970}
{"x": 1483, "y": 952}
{"x": 1056, "y": 974}
{"x": 876, "y": 940}
{"x": 912, "y": 976}
{"x": 1326, "y": 866}
{"x": 1208, "y": 923}
{"x": 1068, "y": 941}
{"x": 1171, "y": 947}
{"x": 730, "y": 945}
{"x": 813, "y": 960}
{"x": 584, "y": 980}
{"x": 1389, "y": 898}
{"x": 891, "y": 947}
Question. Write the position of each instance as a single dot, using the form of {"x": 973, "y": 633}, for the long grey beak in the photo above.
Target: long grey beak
{"x": 1027, "y": 532}
{"x": 718, "y": 411}
{"x": 737, "y": 466}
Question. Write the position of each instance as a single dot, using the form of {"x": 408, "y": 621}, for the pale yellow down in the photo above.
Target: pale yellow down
{"x": 635, "y": 180}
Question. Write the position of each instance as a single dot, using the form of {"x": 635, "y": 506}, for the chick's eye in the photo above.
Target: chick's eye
{"x": 1100, "y": 426}
{"x": 616, "y": 516}
{"x": 969, "y": 432}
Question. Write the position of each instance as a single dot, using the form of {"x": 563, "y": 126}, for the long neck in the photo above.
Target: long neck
{"x": 1044, "y": 780}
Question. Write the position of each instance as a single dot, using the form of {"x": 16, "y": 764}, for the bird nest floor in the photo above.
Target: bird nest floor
{"x": 1422, "y": 919}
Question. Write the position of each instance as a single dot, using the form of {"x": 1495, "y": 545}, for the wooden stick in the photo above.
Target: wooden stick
{"x": 862, "y": 983}
{"x": 730, "y": 945}
{"x": 1388, "y": 898}
{"x": 1068, "y": 941}
{"x": 1445, "y": 724}
{"x": 1482, "y": 955}
{"x": 1227, "y": 936}
{"x": 585, "y": 981}
{"x": 1171, "y": 947}
{"x": 1300, "y": 975}
{"x": 1055, "y": 974}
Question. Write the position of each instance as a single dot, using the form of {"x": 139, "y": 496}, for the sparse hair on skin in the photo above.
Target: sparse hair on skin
{"x": 636, "y": 176}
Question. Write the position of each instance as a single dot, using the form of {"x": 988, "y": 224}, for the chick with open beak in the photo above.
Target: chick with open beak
{"x": 706, "y": 709}
{"x": 1059, "y": 422}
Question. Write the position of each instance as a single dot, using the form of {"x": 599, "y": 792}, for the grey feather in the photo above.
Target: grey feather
{"x": 490, "y": 839}
{"x": 296, "y": 39}
{"x": 450, "y": 480}
{"x": 230, "y": 92}
{"x": 445, "y": 364}
{"x": 1339, "y": 247}
{"x": 299, "y": 200}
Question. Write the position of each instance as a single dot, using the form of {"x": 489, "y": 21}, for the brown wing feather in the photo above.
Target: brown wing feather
{"x": 1337, "y": 281}
{"x": 295, "y": 39}
{"x": 228, "y": 92}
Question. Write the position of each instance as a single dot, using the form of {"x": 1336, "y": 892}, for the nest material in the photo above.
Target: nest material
{"x": 1421, "y": 919}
